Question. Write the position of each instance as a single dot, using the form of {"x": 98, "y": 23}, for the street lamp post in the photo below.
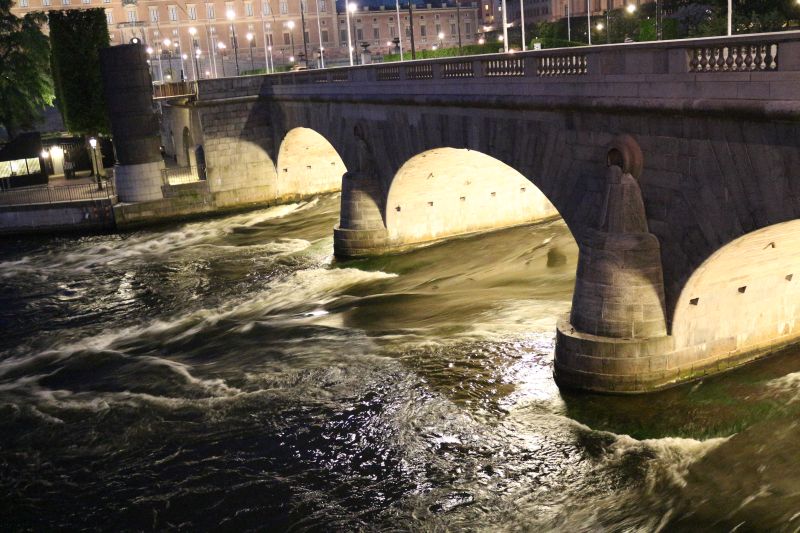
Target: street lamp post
{"x": 411, "y": 28}
{"x": 589, "y": 22}
{"x": 505, "y": 27}
{"x": 250, "y": 44}
{"x": 303, "y": 28}
{"x": 270, "y": 59}
{"x": 399, "y": 29}
{"x": 730, "y": 17}
{"x": 319, "y": 34}
{"x": 290, "y": 25}
{"x": 221, "y": 47}
{"x": 193, "y": 33}
{"x": 231, "y": 16}
{"x": 351, "y": 7}
{"x": 440, "y": 36}
{"x": 458, "y": 23}
{"x": 197, "y": 54}
{"x": 95, "y": 166}
{"x": 166, "y": 43}
{"x": 569, "y": 21}
{"x": 521, "y": 24}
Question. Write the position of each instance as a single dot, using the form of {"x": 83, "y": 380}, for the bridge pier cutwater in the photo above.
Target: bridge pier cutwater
{"x": 676, "y": 166}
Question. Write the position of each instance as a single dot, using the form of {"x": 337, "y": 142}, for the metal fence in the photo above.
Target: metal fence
{"x": 57, "y": 195}
{"x": 179, "y": 175}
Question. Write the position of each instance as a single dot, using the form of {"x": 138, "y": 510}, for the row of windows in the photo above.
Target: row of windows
{"x": 46, "y": 3}
{"x": 423, "y": 32}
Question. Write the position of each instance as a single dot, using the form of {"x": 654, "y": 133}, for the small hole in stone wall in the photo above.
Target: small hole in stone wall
{"x": 742, "y": 289}
{"x": 430, "y": 204}
{"x": 494, "y": 194}
{"x": 463, "y": 198}
{"x": 286, "y": 170}
{"x": 522, "y": 189}
{"x": 694, "y": 301}
{"x": 397, "y": 208}
{"x": 789, "y": 277}
{"x": 333, "y": 163}
{"x": 616, "y": 158}
{"x": 770, "y": 245}
{"x": 308, "y": 167}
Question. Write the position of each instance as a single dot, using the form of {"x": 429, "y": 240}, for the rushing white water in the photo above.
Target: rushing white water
{"x": 235, "y": 366}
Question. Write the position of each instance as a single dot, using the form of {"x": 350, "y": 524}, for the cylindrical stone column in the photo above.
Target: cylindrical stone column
{"x": 361, "y": 230}
{"x": 134, "y": 125}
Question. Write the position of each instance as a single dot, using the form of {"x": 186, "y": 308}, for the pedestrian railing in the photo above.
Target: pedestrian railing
{"x": 59, "y": 194}
{"x": 174, "y": 89}
{"x": 179, "y": 175}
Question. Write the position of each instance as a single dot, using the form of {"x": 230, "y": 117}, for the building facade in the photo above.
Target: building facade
{"x": 200, "y": 39}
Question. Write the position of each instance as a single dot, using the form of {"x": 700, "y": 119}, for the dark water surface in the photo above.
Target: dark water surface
{"x": 231, "y": 375}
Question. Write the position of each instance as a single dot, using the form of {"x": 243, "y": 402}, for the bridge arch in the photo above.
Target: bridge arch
{"x": 307, "y": 164}
{"x": 745, "y": 295}
{"x": 444, "y": 192}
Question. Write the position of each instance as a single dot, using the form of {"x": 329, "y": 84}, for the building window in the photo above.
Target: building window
{"x": 453, "y": 29}
{"x": 109, "y": 16}
{"x": 408, "y": 32}
{"x": 104, "y": 1}
{"x": 64, "y": 2}
{"x": 304, "y": 6}
{"x": 248, "y": 9}
{"x": 438, "y": 29}
{"x": 153, "y": 14}
{"x": 173, "y": 13}
{"x": 423, "y": 31}
{"x": 46, "y": 2}
{"x": 323, "y": 6}
{"x": 192, "y": 10}
{"x": 342, "y": 36}
{"x": 376, "y": 33}
{"x": 468, "y": 29}
{"x": 324, "y": 36}
{"x": 265, "y": 8}
{"x": 23, "y": 3}
{"x": 210, "y": 12}
{"x": 132, "y": 16}
{"x": 359, "y": 34}
{"x": 286, "y": 38}
{"x": 284, "y": 7}
{"x": 270, "y": 39}
{"x": 83, "y": 1}
{"x": 392, "y": 32}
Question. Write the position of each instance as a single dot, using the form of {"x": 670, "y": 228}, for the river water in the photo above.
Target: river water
{"x": 232, "y": 375}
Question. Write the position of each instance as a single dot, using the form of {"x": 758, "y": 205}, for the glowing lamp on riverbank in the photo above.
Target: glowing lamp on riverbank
{"x": 631, "y": 8}
{"x": 45, "y": 154}
{"x": 93, "y": 143}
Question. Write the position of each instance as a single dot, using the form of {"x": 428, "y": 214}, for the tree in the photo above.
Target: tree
{"x": 25, "y": 83}
{"x": 77, "y": 37}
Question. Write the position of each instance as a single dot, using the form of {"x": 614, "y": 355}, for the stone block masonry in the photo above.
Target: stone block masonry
{"x": 674, "y": 164}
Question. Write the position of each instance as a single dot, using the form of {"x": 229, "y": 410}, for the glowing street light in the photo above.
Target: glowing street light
{"x": 250, "y": 45}
{"x": 290, "y": 25}
{"x": 222, "y": 48}
{"x": 631, "y": 8}
{"x": 193, "y": 33}
{"x": 166, "y": 42}
{"x": 231, "y": 16}
{"x": 599, "y": 26}
{"x": 351, "y": 8}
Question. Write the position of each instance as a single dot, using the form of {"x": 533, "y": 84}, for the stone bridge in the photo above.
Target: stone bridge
{"x": 676, "y": 166}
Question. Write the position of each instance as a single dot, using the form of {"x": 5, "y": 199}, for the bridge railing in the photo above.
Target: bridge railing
{"x": 58, "y": 194}
{"x": 175, "y": 89}
{"x": 737, "y": 54}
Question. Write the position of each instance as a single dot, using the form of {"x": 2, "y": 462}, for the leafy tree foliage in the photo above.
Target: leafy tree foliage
{"x": 25, "y": 84}
{"x": 77, "y": 36}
